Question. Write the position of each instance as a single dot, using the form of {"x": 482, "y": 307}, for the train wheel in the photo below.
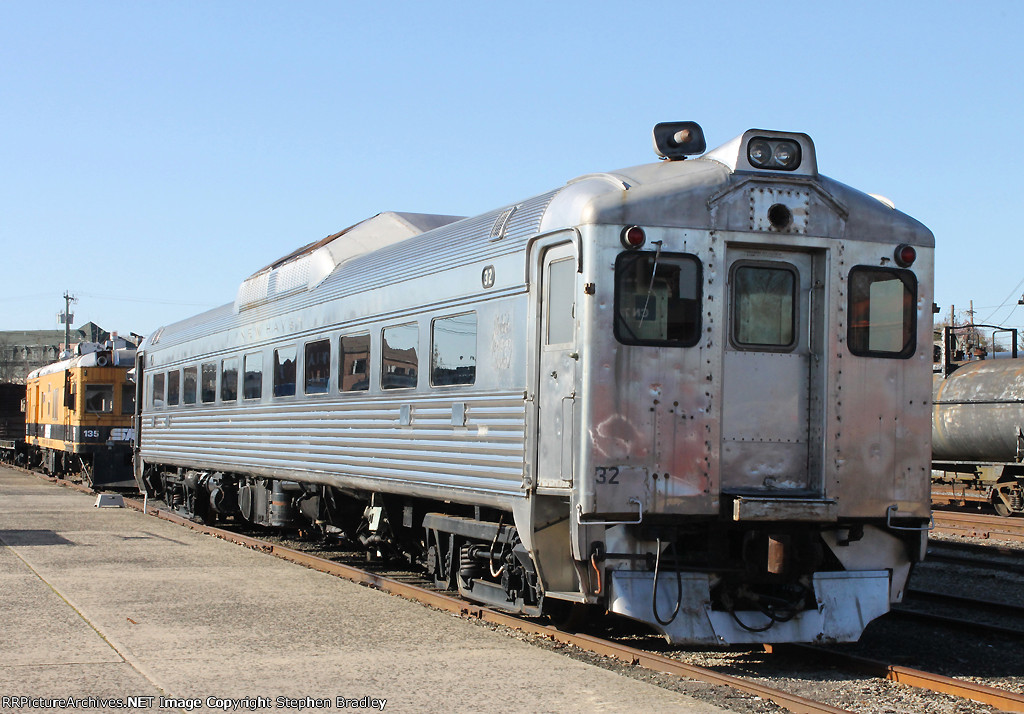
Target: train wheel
{"x": 1001, "y": 508}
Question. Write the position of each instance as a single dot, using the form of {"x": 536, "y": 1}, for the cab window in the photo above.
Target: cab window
{"x": 883, "y": 312}
{"x": 657, "y": 299}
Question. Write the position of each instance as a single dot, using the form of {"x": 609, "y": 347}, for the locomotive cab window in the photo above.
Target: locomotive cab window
{"x": 284, "y": 371}
{"x": 354, "y": 363}
{"x": 883, "y": 315}
{"x": 99, "y": 398}
{"x": 453, "y": 350}
{"x": 128, "y": 399}
{"x": 764, "y": 306}
{"x": 657, "y": 299}
{"x": 317, "y": 372}
{"x": 399, "y": 361}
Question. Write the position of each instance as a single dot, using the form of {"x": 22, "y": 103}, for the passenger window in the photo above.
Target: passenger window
{"x": 657, "y": 299}
{"x": 764, "y": 306}
{"x": 229, "y": 380}
{"x": 317, "y": 373}
{"x": 453, "y": 350}
{"x": 284, "y": 371}
{"x": 208, "y": 385}
{"x": 173, "y": 388}
{"x": 128, "y": 398}
{"x": 252, "y": 383}
{"x": 354, "y": 363}
{"x": 561, "y": 302}
{"x": 190, "y": 383}
{"x": 99, "y": 398}
{"x": 399, "y": 362}
{"x": 882, "y": 310}
{"x": 157, "y": 390}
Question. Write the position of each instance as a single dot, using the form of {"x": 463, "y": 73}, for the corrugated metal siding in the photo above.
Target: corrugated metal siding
{"x": 349, "y": 438}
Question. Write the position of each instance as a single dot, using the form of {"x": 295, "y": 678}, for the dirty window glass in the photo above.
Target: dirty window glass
{"x": 453, "y": 350}
{"x": 354, "y": 363}
{"x": 399, "y": 361}
{"x": 208, "y": 386}
{"x": 764, "y": 306}
{"x": 191, "y": 381}
{"x": 317, "y": 373}
{"x": 229, "y": 380}
{"x": 252, "y": 384}
{"x": 657, "y": 299}
{"x": 173, "y": 387}
{"x": 883, "y": 317}
{"x": 284, "y": 371}
{"x": 99, "y": 398}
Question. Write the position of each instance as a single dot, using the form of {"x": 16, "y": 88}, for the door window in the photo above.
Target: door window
{"x": 764, "y": 306}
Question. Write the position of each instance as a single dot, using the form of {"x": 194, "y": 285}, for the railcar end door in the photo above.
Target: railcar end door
{"x": 771, "y": 363}
{"x": 558, "y": 361}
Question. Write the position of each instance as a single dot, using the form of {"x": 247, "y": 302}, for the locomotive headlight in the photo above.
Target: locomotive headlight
{"x": 760, "y": 153}
{"x": 778, "y": 154}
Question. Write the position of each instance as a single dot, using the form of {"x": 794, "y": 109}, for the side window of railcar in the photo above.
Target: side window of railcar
{"x": 99, "y": 398}
{"x": 156, "y": 390}
{"x": 229, "y": 379}
{"x": 128, "y": 398}
{"x": 399, "y": 362}
{"x": 173, "y": 387}
{"x": 317, "y": 367}
{"x": 252, "y": 384}
{"x": 657, "y": 299}
{"x": 284, "y": 371}
{"x": 208, "y": 385}
{"x": 354, "y": 363}
{"x": 191, "y": 381}
{"x": 453, "y": 350}
{"x": 882, "y": 312}
{"x": 764, "y": 306}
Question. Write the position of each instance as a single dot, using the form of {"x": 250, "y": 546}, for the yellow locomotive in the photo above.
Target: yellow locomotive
{"x": 78, "y": 415}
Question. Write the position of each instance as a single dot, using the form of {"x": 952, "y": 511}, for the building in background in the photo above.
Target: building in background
{"x": 22, "y": 351}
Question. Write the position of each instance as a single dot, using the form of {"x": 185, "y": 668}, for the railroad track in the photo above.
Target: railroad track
{"x": 410, "y": 589}
{"x": 979, "y": 525}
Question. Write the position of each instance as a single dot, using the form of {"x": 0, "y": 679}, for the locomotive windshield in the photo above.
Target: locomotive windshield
{"x": 883, "y": 312}
{"x": 657, "y": 299}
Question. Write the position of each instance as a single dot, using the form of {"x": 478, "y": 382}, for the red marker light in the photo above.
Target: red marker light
{"x": 905, "y": 255}
{"x": 633, "y": 237}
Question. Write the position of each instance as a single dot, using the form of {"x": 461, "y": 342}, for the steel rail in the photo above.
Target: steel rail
{"x": 984, "y": 694}
{"x": 1005, "y": 701}
{"x": 979, "y": 525}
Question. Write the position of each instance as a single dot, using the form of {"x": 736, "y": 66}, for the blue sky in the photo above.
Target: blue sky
{"x": 154, "y": 154}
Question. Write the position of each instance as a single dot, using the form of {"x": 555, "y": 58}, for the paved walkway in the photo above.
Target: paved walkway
{"x": 105, "y": 603}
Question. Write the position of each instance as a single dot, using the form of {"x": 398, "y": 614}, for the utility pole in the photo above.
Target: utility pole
{"x": 67, "y": 318}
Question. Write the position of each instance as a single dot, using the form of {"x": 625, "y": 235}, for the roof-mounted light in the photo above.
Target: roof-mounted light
{"x": 675, "y": 140}
{"x": 773, "y": 154}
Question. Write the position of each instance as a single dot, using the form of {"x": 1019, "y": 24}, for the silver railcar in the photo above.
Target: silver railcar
{"x": 694, "y": 393}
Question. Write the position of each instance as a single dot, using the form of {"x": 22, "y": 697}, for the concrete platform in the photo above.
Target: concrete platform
{"x": 108, "y": 603}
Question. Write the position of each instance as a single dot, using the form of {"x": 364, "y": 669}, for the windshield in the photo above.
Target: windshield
{"x": 657, "y": 299}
